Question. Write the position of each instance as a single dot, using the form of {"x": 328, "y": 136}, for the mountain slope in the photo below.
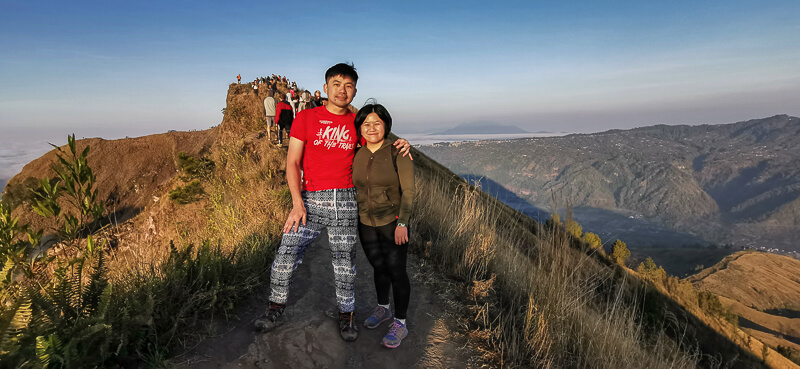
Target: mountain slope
{"x": 131, "y": 173}
{"x": 763, "y": 289}
{"x": 725, "y": 183}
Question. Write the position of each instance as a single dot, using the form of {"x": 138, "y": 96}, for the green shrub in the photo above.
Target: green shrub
{"x": 195, "y": 168}
{"x": 74, "y": 182}
{"x": 187, "y": 194}
{"x": 710, "y": 303}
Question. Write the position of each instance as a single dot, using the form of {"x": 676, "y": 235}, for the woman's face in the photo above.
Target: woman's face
{"x": 373, "y": 129}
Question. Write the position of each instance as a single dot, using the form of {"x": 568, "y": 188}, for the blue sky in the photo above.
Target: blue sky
{"x": 117, "y": 68}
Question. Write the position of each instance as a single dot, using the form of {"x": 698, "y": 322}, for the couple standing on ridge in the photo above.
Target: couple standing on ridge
{"x": 368, "y": 191}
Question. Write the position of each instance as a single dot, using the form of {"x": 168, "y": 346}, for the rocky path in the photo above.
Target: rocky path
{"x": 310, "y": 337}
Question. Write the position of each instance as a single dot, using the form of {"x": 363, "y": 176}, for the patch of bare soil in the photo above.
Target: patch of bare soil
{"x": 310, "y": 337}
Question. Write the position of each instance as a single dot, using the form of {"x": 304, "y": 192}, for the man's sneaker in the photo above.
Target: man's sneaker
{"x": 271, "y": 319}
{"x": 347, "y": 329}
{"x": 380, "y": 315}
{"x": 397, "y": 332}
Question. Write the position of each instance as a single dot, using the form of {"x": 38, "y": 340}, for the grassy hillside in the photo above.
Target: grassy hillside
{"x": 764, "y": 290}
{"x": 538, "y": 298}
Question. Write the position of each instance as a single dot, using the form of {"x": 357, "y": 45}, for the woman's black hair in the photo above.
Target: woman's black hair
{"x": 380, "y": 111}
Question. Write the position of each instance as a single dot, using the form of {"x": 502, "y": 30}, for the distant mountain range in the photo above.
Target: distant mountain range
{"x": 480, "y": 128}
{"x": 733, "y": 184}
{"x": 3, "y": 182}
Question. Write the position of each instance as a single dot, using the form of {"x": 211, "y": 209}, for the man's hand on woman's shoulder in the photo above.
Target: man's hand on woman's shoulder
{"x": 404, "y": 146}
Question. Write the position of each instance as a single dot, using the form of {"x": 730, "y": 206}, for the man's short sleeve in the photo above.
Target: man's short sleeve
{"x": 299, "y": 127}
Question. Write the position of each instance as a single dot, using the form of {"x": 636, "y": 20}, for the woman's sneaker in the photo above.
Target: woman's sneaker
{"x": 271, "y": 319}
{"x": 380, "y": 315}
{"x": 397, "y": 332}
{"x": 347, "y": 329}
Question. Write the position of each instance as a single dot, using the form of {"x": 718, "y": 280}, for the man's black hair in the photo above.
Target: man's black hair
{"x": 342, "y": 69}
{"x": 380, "y": 111}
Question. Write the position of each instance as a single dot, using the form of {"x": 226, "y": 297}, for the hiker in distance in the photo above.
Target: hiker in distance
{"x": 385, "y": 192}
{"x": 323, "y": 141}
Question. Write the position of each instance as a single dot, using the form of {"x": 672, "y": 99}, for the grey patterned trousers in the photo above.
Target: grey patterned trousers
{"x": 337, "y": 211}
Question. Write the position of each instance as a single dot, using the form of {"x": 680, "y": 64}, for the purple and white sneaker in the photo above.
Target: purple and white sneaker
{"x": 397, "y": 332}
{"x": 380, "y": 315}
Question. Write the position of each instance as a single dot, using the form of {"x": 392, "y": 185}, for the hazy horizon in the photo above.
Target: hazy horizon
{"x": 18, "y": 148}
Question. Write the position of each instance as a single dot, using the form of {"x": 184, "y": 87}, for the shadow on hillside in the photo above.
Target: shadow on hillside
{"x": 749, "y": 324}
{"x": 607, "y": 224}
{"x": 740, "y": 198}
{"x": 122, "y": 215}
{"x": 507, "y": 197}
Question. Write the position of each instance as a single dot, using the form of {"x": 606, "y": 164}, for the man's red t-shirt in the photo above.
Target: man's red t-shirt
{"x": 330, "y": 142}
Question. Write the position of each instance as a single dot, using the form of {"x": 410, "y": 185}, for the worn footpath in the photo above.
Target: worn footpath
{"x": 309, "y": 338}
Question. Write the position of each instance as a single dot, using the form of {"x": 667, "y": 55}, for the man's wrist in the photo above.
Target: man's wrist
{"x": 402, "y": 224}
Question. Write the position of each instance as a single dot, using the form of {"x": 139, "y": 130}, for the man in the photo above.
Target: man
{"x": 290, "y": 100}
{"x": 318, "y": 100}
{"x": 285, "y": 116}
{"x": 323, "y": 141}
{"x": 269, "y": 110}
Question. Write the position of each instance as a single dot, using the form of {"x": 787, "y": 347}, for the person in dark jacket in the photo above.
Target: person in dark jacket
{"x": 285, "y": 116}
{"x": 384, "y": 191}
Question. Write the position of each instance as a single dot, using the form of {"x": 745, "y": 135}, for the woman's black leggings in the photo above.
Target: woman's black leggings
{"x": 389, "y": 261}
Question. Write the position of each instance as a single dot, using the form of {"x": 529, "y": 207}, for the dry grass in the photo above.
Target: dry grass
{"x": 760, "y": 280}
{"x": 248, "y": 195}
{"x": 537, "y": 301}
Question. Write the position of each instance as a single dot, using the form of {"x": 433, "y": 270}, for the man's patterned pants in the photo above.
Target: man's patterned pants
{"x": 337, "y": 211}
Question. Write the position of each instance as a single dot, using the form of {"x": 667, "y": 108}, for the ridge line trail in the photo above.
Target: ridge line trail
{"x": 309, "y": 338}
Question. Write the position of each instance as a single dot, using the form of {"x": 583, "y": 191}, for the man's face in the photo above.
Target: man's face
{"x": 340, "y": 90}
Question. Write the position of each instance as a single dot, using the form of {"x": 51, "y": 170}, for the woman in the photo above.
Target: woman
{"x": 385, "y": 189}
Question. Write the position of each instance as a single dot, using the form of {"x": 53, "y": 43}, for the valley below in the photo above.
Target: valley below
{"x": 730, "y": 186}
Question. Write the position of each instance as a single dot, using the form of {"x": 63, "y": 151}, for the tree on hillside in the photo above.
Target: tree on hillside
{"x": 554, "y": 221}
{"x": 648, "y": 269}
{"x": 592, "y": 240}
{"x": 620, "y": 252}
{"x": 574, "y": 229}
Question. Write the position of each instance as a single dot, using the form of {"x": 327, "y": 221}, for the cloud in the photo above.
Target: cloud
{"x": 14, "y": 156}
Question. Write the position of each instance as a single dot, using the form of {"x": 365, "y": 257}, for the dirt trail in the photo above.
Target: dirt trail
{"x": 310, "y": 337}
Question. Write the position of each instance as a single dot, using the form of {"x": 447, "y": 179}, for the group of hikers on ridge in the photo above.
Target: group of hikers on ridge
{"x": 347, "y": 176}
{"x": 281, "y": 108}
